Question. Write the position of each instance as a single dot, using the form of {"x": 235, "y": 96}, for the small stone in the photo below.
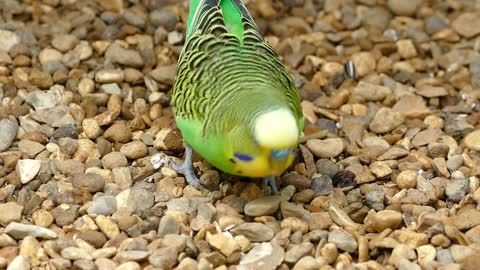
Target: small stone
{"x": 385, "y": 219}
{"x": 262, "y": 256}
{"x": 294, "y": 224}
{"x": 75, "y": 253}
{"x": 164, "y": 74}
{"x": 118, "y": 132}
{"x": 19, "y": 231}
{"x": 19, "y": 263}
{"x": 465, "y": 24}
{"x": 127, "y": 57}
{"x": 412, "y": 239}
{"x": 326, "y": 148}
{"x": 27, "y": 169}
{"x": 30, "y": 148}
{"x": 134, "y": 150}
{"x": 114, "y": 160}
{"x": 380, "y": 169}
{"x": 295, "y": 253}
{"x": 459, "y": 253}
{"x": 319, "y": 221}
{"x": 41, "y": 79}
{"x": 402, "y": 252}
{"x": 412, "y": 106}
{"x": 343, "y": 240}
{"x": 105, "y": 205}
{"x": 8, "y": 131}
{"x": 364, "y": 63}
{"x": 164, "y": 258}
{"x": 406, "y": 48}
{"x": 90, "y": 182}
{"x": 129, "y": 266}
{"x": 375, "y": 199}
{"x": 10, "y": 212}
{"x": 307, "y": 263}
{"x": 255, "y": 232}
{"x": 42, "y": 218}
{"x": 265, "y": 206}
{"x": 8, "y": 39}
{"x": 64, "y": 43}
{"x": 456, "y": 189}
{"x": 371, "y": 92}
{"x": 327, "y": 167}
{"x": 95, "y": 238}
{"x": 402, "y": 8}
{"x": 322, "y": 185}
{"x": 107, "y": 226}
{"x": 227, "y": 246}
{"x": 406, "y": 179}
{"x": 386, "y": 120}
{"x": 407, "y": 265}
{"x": 426, "y": 255}
{"x": 424, "y": 137}
{"x": 163, "y": 17}
{"x": 65, "y": 214}
{"x": 472, "y": 140}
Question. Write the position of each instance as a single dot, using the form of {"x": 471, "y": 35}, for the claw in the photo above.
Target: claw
{"x": 186, "y": 168}
{"x": 269, "y": 181}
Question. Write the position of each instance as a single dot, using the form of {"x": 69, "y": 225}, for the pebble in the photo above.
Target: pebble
{"x": 382, "y": 220}
{"x": 75, "y": 253}
{"x": 371, "y": 92}
{"x": 364, "y": 63}
{"x": 90, "y": 182}
{"x": 375, "y": 199}
{"x": 386, "y": 120}
{"x": 27, "y": 169}
{"x": 263, "y": 206}
{"x": 126, "y": 57}
{"x": 8, "y": 131}
{"x": 456, "y": 189}
{"x": 465, "y": 24}
{"x": 322, "y": 185}
{"x": 105, "y": 205}
{"x": 326, "y": 148}
{"x": 343, "y": 240}
{"x": 472, "y": 140}
{"x": 19, "y": 263}
{"x": 107, "y": 226}
{"x": 406, "y": 179}
{"x": 10, "y": 212}
{"x": 255, "y": 232}
{"x": 105, "y": 76}
{"x": 64, "y": 43}
{"x": 327, "y": 167}
{"x": 227, "y": 246}
{"x": 265, "y": 256}
{"x": 19, "y": 231}
{"x": 402, "y": 8}
{"x": 8, "y": 39}
{"x": 114, "y": 160}
{"x": 134, "y": 150}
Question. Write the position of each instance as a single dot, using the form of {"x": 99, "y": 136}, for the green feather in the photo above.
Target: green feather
{"x": 231, "y": 14}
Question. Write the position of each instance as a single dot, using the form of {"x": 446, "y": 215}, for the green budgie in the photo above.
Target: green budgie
{"x": 233, "y": 100}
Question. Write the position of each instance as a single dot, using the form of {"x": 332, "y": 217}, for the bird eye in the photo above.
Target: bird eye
{"x": 243, "y": 157}
{"x": 280, "y": 154}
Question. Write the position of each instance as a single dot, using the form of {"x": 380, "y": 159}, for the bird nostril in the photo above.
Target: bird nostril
{"x": 280, "y": 154}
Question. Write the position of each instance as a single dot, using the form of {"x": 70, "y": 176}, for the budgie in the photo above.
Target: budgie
{"x": 233, "y": 100}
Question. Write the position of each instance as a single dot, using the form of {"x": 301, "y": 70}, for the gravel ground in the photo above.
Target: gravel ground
{"x": 386, "y": 176}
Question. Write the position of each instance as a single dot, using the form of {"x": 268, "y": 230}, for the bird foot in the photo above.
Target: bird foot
{"x": 269, "y": 182}
{"x": 186, "y": 168}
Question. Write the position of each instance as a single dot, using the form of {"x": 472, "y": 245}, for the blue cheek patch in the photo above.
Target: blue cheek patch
{"x": 243, "y": 157}
{"x": 280, "y": 154}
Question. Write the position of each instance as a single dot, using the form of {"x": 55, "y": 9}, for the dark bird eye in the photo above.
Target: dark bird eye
{"x": 243, "y": 157}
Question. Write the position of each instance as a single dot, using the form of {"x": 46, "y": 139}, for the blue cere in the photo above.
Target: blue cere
{"x": 243, "y": 157}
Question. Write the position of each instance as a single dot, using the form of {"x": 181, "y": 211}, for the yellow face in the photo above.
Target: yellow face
{"x": 268, "y": 162}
